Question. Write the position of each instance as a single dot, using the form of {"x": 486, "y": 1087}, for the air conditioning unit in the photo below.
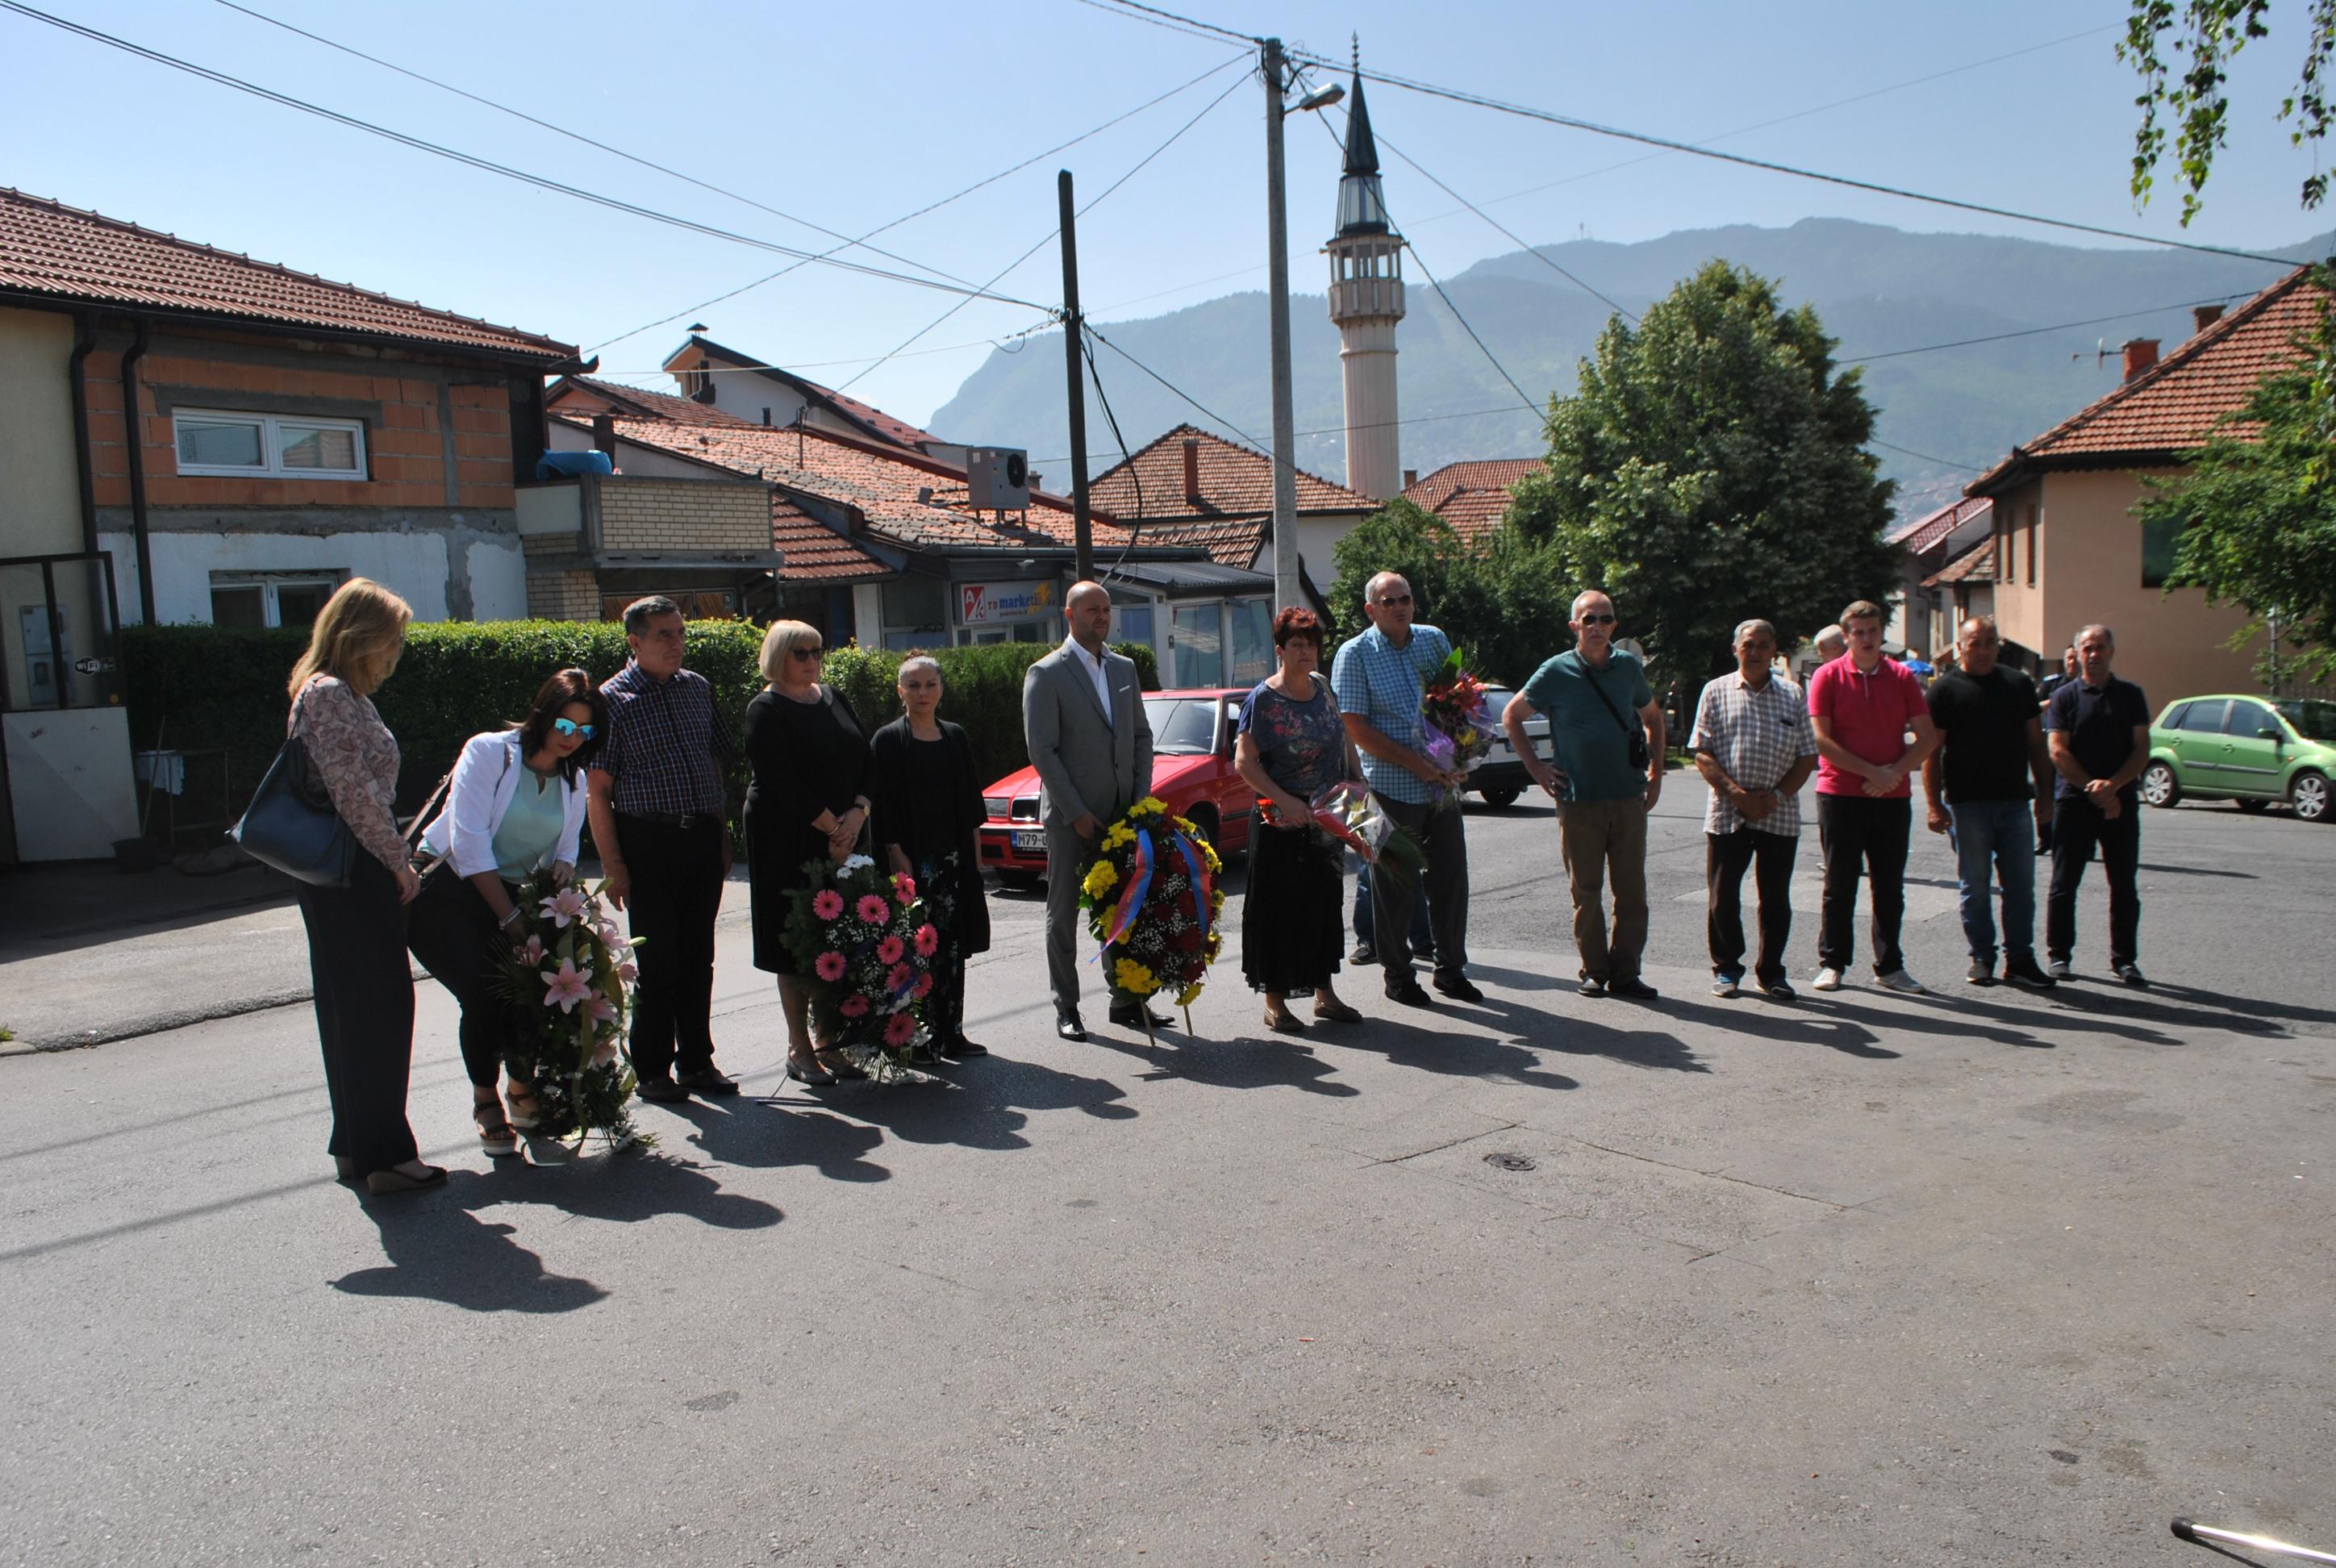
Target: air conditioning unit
{"x": 998, "y": 478}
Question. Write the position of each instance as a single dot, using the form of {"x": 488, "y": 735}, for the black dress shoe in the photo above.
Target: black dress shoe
{"x": 708, "y": 1080}
{"x": 1409, "y": 994}
{"x": 664, "y": 1091}
{"x": 1364, "y": 954}
{"x": 1454, "y": 984}
{"x": 1067, "y": 1025}
{"x": 1630, "y": 987}
{"x": 961, "y": 1048}
{"x": 1137, "y": 1016}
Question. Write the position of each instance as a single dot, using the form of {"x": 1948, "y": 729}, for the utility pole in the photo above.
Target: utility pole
{"x": 1277, "y": 290}
{"x": 1082, "y": 529}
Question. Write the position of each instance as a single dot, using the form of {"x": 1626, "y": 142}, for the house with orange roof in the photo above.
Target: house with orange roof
{"x": 2066, "y": 548}
{"x": 1947, "y": 576}
{"x": 1472, "y": 496}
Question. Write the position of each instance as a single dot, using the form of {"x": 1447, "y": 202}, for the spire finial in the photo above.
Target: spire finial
{"x": 1355, "y": 41}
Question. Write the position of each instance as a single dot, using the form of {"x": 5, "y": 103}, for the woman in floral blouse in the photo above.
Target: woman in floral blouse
{"x": 356, "y": 934}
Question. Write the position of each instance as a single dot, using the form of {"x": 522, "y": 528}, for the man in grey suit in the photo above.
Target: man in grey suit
{"x": 1082, "y": 717}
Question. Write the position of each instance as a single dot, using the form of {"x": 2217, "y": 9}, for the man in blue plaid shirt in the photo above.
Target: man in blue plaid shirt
{"x": 1378, "y": 678}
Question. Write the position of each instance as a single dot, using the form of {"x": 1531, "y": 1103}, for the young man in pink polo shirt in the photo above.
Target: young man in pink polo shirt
{"x": 1862, "y": 705}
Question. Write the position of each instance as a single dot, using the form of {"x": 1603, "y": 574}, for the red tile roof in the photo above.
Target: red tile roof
{"x": 1473, "y": 496}
{"x": 874, "y": 420}
{"x": 2171, "y": 407}
{"x": 1977, "y": 562}
{"x": 815, "y": 553}
{"x": 583, "y": 396}
{"x": 1929, "y": 532}
{"x": 67, "y": 254}
{"x": 1233, "y": 541}
{"x": 1236, "y": 480}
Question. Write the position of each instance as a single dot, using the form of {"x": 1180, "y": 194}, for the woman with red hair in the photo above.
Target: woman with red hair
{"x": 1293, "y": 744}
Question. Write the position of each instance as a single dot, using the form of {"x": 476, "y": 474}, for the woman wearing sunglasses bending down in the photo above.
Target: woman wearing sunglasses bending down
{"x": 514, "y": 806}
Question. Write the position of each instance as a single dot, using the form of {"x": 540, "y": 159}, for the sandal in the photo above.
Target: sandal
{"x": 523, "y": 1107}
{"x": 1284, "y": 1022}
{"x": 841, "y": 1065}
{"x": 496, "y": 1135}
{"x": 1337, "y": 1013}
{"x": 807, "y": 1070}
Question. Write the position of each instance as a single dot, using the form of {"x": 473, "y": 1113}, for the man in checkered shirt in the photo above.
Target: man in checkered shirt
{"x": 1378, "y": 678}
{"x": 1754, "y": 748}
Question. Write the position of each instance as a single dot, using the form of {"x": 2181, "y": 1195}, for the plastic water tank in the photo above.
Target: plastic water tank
{"x": 569, "y": 464}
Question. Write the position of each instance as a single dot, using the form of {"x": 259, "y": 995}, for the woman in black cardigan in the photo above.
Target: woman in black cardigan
{"x": 927, "y": 810}
{"x": 807, "y": 800}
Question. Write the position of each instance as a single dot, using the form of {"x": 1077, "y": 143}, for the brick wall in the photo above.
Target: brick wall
{"x": 407, "y": 417}
{"x": 563, "y": 595}
{"x": 683, "y": 516}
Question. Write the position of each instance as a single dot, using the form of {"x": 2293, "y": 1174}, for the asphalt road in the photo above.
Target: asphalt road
{"x": 1981, "y": 1278}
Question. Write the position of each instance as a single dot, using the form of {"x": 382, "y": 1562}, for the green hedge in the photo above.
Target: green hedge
{"x": 202, "y": 685}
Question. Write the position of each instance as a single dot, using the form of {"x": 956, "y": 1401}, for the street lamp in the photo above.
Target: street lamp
{"x": 1276, "y": 288}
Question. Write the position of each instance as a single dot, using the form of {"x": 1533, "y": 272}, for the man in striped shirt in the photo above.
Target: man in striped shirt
{"x": 1755, "y": 748}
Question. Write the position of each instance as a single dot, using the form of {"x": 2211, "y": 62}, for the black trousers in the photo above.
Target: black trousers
{"x": 364, "y": 1013}
{"x": 2077, "y": 828}
{"x": 1867, "y": 837}
{"x": 1440, "y": 833}
{"x": 453, "y": 932}
{"x": 676, "y": 892}
{"x": 1725, "y": 858}
{"x": 945, "y": 1008}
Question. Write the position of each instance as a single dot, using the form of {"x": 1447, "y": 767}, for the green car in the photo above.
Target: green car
{"x": 2252, "y": 750}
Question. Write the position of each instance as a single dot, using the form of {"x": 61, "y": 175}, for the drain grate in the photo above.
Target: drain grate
{"x": 1510, "y": 1162}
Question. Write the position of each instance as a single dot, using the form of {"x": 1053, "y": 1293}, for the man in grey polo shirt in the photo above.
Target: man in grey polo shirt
{"x": 1606, "y": 735}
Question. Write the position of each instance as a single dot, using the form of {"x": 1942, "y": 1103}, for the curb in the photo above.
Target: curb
{"x": 154, "y": 1024}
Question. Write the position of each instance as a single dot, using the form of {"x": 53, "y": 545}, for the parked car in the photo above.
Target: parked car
{"x": 1191, "y": 771}
{"x": 1500, "y": 773}
{"x": 2250, "y": 749}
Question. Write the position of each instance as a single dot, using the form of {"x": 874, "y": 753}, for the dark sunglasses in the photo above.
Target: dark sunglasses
{"x": 808, "y": 654}
{"x": 1598, "y": 620}
{"x": 570, "y": 726}
{"x": 1402, "y": 599}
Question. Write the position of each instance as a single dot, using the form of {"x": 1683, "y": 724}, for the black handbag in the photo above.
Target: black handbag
{"x": 291, "y": 825}
{"x": 1636, "y": 732}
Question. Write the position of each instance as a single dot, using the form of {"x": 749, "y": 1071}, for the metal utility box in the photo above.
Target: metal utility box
{"x": 998, "y": 478}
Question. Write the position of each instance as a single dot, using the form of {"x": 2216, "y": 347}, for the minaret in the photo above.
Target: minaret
{"x": 1366, "y": 302}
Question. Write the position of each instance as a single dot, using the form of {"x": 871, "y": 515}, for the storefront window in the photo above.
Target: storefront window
{"x": 1252, "y": 622}
{"x": 916, "y": 612}
{"x": 1131, "y": 623}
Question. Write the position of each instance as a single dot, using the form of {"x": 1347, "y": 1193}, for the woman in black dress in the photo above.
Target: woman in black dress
{"x": 928, "y": 809}
{"x": 806, "y": 800}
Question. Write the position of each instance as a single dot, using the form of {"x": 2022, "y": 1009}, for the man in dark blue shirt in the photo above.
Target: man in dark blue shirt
{"x": 2099, "y": 732}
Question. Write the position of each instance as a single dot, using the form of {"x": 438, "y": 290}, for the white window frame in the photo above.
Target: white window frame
{"x": 271, "y": 445}
{"x": 270, "y": 614}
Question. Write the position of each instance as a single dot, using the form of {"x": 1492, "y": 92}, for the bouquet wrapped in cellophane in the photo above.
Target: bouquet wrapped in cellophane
{"x": 569, "y": 973}
{"x": 1458, "y": 720}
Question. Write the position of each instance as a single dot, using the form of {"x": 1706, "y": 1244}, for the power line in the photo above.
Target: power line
{"x": 931, "y": 205}
{"x": 1052, "y": 233}
{"x": 1137, "y": 12}
{"x": 1785, "y": 119}
{"x": 489, "y": 165}
{"x": 1179, "y": 390}
{"x": 579, "y": 136}
{"x": 2035, "y": 331}
{"x": 1507, "y": 408}
{"x": 1926, "y": 457}
{"x": 1572, "y": 122}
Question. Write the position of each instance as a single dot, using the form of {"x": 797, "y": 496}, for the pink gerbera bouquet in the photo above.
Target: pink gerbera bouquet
{"x": 862, "y": 940}
{"x": 570, "y": 975}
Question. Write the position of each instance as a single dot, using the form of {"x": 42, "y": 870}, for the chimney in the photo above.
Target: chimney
{"x": 604, "y": 434}
{"x": 2202, "y": 317}
{"x": 1192, "y": 472}
{"x": 1410, "y": 477}
{"x": 2141, "y": 355}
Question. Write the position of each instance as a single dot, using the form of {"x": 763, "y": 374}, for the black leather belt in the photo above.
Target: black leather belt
{"x": 685, "y": 821}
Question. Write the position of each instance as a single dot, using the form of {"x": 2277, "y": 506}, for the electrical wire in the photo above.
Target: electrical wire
{"x": 1927, "y": 457}
{"x": 1135, "y": 11}
{"x": 2034, "y": 331}
{"x": 579, "y": 136}
{"x": 488, "y": 165}
{"x": 931, "y": 205}
{"x": 1506, "y": 408}
{"x": 1054, "y": 232}
{"x": 1135, "y": 529}
{"x": 1574, "y": 123}
{"x": 1180, "y": 392}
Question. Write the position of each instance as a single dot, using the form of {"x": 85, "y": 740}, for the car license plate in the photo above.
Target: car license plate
{"x": 1033, "y": 840}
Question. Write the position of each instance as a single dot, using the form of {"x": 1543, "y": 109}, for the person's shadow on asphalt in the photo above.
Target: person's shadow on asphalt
{"x": 985, "y": 1103}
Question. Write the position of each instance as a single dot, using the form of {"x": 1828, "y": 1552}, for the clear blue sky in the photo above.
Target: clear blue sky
{"x": 850, "y": 116}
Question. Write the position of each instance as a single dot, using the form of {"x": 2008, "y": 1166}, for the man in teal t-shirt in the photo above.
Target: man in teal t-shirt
{"x": 1599, "y": 704}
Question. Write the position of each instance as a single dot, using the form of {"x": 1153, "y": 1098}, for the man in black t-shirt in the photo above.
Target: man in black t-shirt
{"x": 1989, "y": 772}
{"x": 2100, "y": 730}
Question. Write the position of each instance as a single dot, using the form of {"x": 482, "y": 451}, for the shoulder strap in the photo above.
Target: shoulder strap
{"x": 1590, "y": 673}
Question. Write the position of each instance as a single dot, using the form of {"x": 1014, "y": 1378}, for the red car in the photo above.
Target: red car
{"x": 1191, "y": 771}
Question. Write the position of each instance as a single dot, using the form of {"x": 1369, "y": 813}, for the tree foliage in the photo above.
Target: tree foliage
{"x": 1504, "y": 605}
{"x": 2201, "y": 37}
{"x": 1712, "y": 467}
{"x": 2255, "y": 514}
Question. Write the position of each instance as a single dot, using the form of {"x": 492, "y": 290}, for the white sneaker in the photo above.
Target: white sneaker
{"x": 1901, "y": 982}
{"x": 1828, "y": 980}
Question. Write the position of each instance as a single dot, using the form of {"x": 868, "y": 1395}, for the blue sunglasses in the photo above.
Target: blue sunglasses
{"x": 570, "y": 726}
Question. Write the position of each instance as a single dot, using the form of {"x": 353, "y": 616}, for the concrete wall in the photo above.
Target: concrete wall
{"x": 40, "y": 492}
{"x": 2089, "y": 569}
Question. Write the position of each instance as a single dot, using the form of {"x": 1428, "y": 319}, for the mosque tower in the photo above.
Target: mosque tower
{"x": 1366, "y": 302}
